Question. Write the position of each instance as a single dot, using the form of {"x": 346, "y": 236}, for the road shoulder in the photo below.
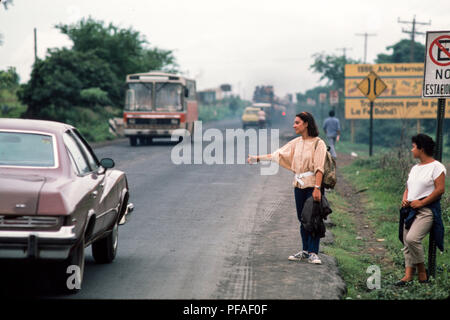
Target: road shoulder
{"x": 263, "y": 271}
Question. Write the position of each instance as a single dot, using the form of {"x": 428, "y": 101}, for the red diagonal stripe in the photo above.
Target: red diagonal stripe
{"x": 442, "y": 48}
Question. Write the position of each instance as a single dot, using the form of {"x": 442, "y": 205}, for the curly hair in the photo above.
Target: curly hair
{"x": 425, "y": 143}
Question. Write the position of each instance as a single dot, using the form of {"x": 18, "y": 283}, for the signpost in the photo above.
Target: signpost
{"x": 372, "y": 86}
{"x": 436, "y": 84}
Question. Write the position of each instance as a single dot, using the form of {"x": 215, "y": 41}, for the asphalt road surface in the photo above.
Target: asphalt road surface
{"x": 201, "y": 231}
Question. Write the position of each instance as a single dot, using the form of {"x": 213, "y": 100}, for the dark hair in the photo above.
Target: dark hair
{"x": 331, "y": 113}
{"x": 425, "y": 143}
{"x": 312, "y": 127}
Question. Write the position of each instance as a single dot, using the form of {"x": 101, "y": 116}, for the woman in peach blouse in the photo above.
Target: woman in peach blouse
{"x": 305, "y": 156}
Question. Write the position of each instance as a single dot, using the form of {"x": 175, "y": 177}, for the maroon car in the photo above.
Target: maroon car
{"x": 56, "y": 198}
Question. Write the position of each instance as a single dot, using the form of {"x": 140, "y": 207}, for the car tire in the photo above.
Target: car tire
{"x": 105, "y": 249}
{"x": 70, "y": 280}
{"x": 133, "y": 141}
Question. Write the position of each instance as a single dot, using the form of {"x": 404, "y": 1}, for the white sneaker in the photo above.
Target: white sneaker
{"x": 313, "y": 258}
{"x": 302, "y": 255}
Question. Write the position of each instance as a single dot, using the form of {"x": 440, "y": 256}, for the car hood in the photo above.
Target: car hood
{"x": 19, "y": 194}
{"x": 250, "y": 117}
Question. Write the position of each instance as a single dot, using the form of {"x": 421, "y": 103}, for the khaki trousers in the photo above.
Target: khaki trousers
{"x": 412, "y": 238}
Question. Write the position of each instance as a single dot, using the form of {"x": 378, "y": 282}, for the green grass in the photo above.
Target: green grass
{"x": 362, "y": 150}
{"x": 352, "y": 265}
{"x": 385, "y": 179}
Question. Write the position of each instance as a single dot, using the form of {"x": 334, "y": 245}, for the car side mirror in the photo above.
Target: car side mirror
{"x": 107, "y": 163}
{"x": 186, "y": 92}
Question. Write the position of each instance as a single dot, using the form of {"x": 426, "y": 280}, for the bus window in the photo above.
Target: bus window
{"x": 139, "y": 97}
{"x": 168, "y": 97}
{"x": 192, "y": 93}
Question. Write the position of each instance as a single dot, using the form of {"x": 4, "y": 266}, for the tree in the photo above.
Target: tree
{"x": 332, "y": 68}
{"x": 92, "y": 72}
{"x": 57, "y": 82}
{"x": 126, "y": 50}
{"x": 401, "y": 52}
{"x": 9, "y": 79}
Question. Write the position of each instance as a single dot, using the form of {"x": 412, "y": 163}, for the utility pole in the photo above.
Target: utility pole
{"x": 413, "y": 33}
{"x": 344, "y": 51}
{"x": 365, "y": 35}
{"x": 35, "y": 45}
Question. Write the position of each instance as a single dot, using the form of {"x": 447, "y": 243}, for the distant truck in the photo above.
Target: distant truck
{"x": 156, "y": 104}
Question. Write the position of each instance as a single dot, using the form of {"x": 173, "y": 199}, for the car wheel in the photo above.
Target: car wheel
{"x": 133, "y": 141}
{"x": 71, "y": 270}
{"x": 105, "y": 249}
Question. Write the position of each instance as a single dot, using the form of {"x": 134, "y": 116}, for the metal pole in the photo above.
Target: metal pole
{"x": 365, "y": 47}
{"x": 35, "y": 45}
{"x": 352, "y": 123}
{"x": 438, "y": 157}
{"x": 371, "y": 129}
{"x": 412, "y": 39}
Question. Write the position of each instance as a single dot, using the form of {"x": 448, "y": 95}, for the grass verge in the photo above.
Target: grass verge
{"x": 385, "y": 182}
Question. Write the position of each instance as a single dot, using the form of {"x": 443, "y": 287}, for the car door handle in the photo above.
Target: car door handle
{"x": 94, "y": 194}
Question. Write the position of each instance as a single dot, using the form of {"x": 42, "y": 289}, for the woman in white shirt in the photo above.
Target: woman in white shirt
{"x": 425, "y": 186}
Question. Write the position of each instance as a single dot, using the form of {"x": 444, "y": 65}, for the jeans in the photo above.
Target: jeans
{"x": 310, "y": 244}
{"x": 332, "y": 142}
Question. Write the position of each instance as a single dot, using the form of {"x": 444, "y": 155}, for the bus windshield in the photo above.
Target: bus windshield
{"x": 168, "y": 97}
{"x": 139, "y": 97}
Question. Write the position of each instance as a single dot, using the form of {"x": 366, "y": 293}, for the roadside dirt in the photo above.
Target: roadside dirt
{"x": 357, "y": 201}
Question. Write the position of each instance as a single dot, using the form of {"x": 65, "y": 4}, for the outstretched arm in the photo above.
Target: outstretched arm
{"x": 282, "y": 156}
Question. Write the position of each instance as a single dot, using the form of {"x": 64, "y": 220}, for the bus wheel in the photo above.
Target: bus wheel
{"x": 133, "y": 141}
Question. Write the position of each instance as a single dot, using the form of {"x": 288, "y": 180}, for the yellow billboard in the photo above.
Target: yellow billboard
{"x": 402, "y": 98}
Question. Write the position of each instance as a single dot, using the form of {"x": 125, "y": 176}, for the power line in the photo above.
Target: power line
{"x": 365, "y": 35}
{"x": 413, "y": 32}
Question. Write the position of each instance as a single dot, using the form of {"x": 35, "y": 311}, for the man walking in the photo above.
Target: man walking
{"x": 332, "y": 129}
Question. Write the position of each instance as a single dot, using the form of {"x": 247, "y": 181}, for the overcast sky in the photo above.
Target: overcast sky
{"x": 241, "y": 42}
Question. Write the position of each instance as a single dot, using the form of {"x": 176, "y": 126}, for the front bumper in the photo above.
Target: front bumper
{"x": 37, "y": 244}
{"x": 149, "y": 132}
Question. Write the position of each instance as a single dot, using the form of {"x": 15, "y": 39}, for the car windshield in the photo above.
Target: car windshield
{"x": 168, "y": 97}
{"x": 139, "y": 97}
{"x": 26, "y": 150}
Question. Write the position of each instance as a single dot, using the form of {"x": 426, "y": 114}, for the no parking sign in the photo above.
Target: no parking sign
{"x": 436, "y": 82}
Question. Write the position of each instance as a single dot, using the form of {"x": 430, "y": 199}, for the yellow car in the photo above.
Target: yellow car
{"x": 250, "y": 117}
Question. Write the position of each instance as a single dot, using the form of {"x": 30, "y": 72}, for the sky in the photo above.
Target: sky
{"x": 244, "y": 43}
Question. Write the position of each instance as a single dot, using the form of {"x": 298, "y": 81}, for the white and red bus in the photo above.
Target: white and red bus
{"x": 156, "y": 104}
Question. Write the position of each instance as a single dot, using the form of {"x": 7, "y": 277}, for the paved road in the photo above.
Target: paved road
{"x": 205, "y": 232}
